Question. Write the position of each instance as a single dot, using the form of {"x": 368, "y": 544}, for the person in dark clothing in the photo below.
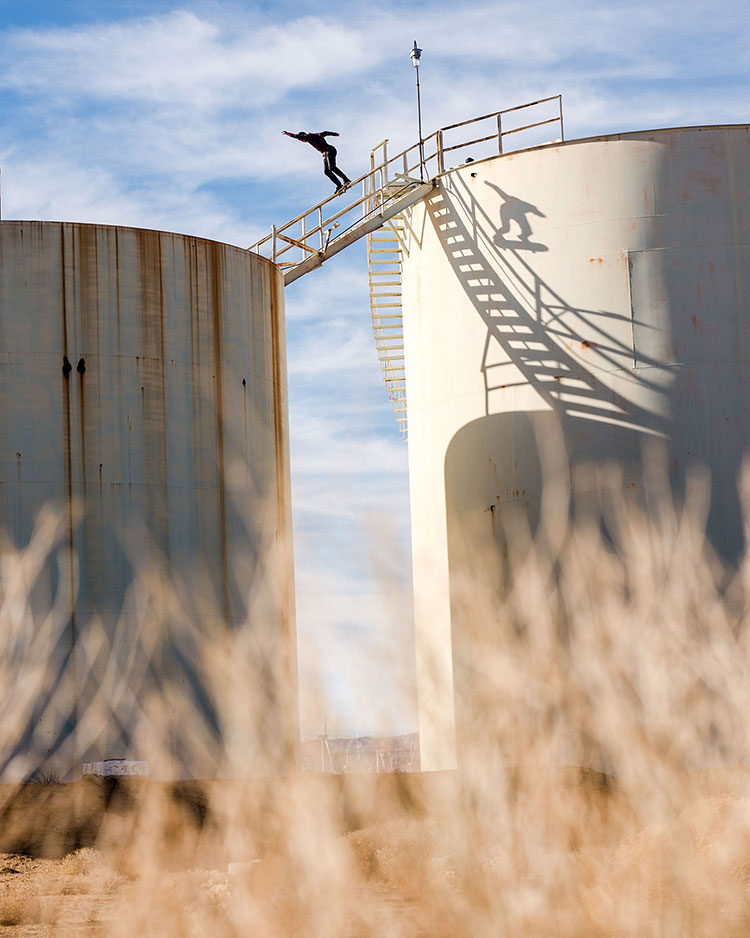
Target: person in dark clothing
{"x": 329, "y": 155}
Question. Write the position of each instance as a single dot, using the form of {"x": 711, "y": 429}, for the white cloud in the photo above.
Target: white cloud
{"x": 314, "y": 296}
{"x": 60, "y": 190}
{"x": 322, "y": 449}
{"x": 339, "y": 348}
{"x": 180, "y": 60}
{"x": 356, "y": 644}
{"x": 204, "y": 98}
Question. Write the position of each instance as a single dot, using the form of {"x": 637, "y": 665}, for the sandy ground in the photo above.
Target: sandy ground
{"x": 369, "y": 856}
{"x": 69, "y": 897}
{"x": 78, "y": 857}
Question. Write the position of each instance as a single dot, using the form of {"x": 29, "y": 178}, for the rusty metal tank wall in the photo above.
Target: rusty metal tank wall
{"x": 597, "y": 290}
{"x": 143, "y": 394}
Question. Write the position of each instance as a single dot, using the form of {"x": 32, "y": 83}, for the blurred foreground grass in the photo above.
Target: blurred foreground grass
{"x": 618, "y": 643}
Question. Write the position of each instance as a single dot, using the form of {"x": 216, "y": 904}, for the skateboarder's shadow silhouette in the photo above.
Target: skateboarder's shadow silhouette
{"x": 516, "y": 210}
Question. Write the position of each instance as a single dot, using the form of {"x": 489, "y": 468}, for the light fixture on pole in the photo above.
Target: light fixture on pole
{"x": 416, "y": 55}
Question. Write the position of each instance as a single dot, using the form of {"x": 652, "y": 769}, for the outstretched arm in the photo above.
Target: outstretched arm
{"x": 286, "y": 133}
{"x": 328, "y": 133}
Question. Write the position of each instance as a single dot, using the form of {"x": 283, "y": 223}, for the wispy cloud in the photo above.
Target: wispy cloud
{"x": 181, "y": 61}
{"x": 195, "y": 97}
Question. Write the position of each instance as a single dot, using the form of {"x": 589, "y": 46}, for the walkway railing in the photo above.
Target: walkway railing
{"x": 320, "y": 231}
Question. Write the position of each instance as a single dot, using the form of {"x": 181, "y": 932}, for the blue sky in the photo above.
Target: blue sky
{"x": 169, "y": 115}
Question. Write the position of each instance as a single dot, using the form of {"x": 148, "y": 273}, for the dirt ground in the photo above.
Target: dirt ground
{"x": 78, "y": 858}
{"x": 363, "y": 856}
{"x": 74, "y": 896}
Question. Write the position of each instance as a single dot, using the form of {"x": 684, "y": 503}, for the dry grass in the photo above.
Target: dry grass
{"x": 619, "y": 643}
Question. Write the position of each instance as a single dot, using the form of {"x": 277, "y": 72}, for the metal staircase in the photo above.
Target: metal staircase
{"x": 384, "y": 268}
{"x": 308, "y": 240}
{"x": 385, "y": 249}
{"x": 388, "y": 189}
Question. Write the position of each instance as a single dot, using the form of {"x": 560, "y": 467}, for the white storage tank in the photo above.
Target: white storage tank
{"x": 600, "y": 286}
{"x": 143, "y": 394}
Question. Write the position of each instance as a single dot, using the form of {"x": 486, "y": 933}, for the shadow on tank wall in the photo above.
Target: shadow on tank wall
{"x": 677, "y": 389}
{"x": 685, "y": 362}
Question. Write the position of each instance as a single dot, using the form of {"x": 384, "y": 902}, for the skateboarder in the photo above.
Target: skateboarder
{"x": 329, "y": 155}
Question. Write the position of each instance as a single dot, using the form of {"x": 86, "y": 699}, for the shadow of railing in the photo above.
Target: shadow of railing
{"x": 313, "y": 232}
{"x": 530, "y": 327}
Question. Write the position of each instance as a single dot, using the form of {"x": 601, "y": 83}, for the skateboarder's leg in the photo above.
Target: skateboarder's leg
{"x": 338, "y": 172}
{"x": 329, "y": 168}
{"x": 331, "y": 155}
{"x": 329, "y": 160}
{"x": 334, "y": 179}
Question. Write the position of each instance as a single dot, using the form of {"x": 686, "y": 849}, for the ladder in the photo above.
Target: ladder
{"x": 384, "y": 260}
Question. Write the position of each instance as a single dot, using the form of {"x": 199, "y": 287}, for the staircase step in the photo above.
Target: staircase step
{"x": 384, "y": 248}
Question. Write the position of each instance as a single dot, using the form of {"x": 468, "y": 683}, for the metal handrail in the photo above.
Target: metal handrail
{"x": 507, "y": 110}
{"x": 374, "y": 181}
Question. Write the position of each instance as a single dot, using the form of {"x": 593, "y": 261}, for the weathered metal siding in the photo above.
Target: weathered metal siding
{"x": 597, "y": 288}
{"x": 168, "y": 427}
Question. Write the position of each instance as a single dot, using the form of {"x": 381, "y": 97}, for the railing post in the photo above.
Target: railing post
{"x": 273, "y": 243}
{"x": 500, "y": 132}
{"x": 320, "y": 225}
{"x": 371, "y": 194}
{"x": 562, "y": 134}
{"x": 303, "y": 239}
{"x": 440, "y": 164}
{"x": 385, "y": 162}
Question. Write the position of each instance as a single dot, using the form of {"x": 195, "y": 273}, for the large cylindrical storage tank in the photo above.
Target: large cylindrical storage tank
{"x": 143, "y": 397}
{"x": 598, "y": 287}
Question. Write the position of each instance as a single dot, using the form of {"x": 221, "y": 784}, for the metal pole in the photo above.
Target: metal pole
{"x": 416, "y": 54}
{"x": 419, "y": 118}
{"x": 562, "y": 132}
